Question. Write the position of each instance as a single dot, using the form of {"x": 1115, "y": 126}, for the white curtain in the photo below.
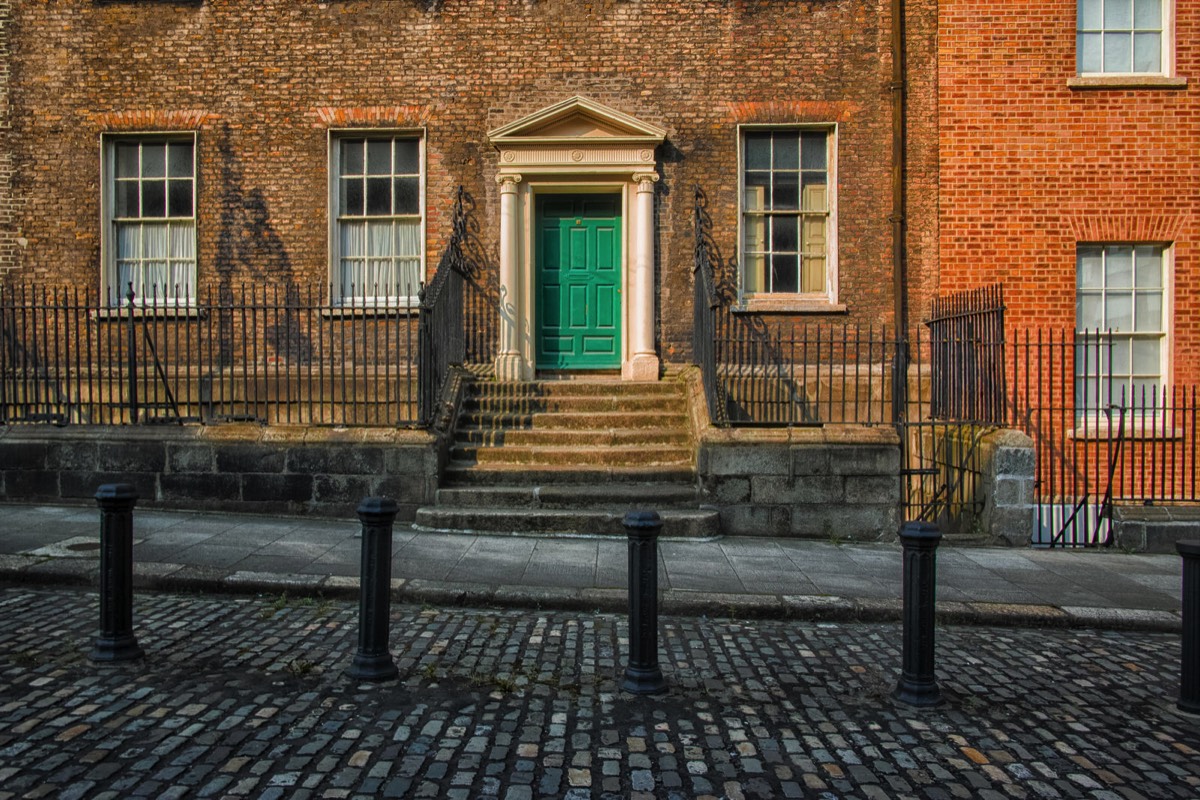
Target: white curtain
{"x": 380, "y": 258}
{"x": 159, "y": 259}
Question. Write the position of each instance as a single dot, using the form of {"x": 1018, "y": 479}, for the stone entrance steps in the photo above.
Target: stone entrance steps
{"x": 570, "y": 457}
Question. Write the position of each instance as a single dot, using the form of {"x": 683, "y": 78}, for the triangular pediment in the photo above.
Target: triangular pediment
{"x": 577, "y": 119}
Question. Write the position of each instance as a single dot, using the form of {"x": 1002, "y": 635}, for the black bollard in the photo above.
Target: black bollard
{"x": 642, "y": 675}
{"x": 1189, "y": 666}
{"x": 116, "y": 641}
{"x": 373, "y": 661}
{"x": 917, "y": 685}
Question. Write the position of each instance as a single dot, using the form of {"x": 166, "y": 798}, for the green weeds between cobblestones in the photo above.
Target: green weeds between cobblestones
{"x": 320, "y": 605}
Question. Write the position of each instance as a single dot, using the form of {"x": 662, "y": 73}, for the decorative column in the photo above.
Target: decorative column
{"x": 508, "y": 359}
{"x": 643, "y": 361}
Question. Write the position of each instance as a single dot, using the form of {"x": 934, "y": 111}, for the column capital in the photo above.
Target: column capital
{"x": 645, "y": 180}
{"x": 508, "y": 182}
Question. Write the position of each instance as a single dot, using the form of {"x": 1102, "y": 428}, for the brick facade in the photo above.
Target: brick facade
{"x": 261, "y": 83}
{"x": 1030, "y": 166}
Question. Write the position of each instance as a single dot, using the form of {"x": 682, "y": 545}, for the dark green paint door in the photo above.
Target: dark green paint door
{"x": 579, "y": 281}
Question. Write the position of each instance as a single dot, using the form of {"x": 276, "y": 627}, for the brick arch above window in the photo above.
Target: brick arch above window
{"x": 153, "y": 120}
{"x": 401, "y": 116}
{"x": 1126, "y": 227}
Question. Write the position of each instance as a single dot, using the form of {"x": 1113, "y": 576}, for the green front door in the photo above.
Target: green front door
{"x": 579, "y": 281}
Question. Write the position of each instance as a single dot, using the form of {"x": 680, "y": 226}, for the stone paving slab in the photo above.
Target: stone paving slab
{"x": 247, "y": 697}
{"x": 739, "y": 576}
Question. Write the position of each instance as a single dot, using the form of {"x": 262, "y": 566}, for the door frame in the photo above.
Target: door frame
{"x": 534, "y": 222}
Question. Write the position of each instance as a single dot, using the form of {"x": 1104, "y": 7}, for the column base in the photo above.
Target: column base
{"x": 642, "y": 367}
{"x": 123, "y": 647}
{"x": 510, "y": 367}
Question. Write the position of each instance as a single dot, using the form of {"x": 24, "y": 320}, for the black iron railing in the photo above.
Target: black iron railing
{"x": 708, "y": 303}
{"x": 278, "y": 354}
{"x": 966, "y": 357}
{"x": 1099, "y": 442}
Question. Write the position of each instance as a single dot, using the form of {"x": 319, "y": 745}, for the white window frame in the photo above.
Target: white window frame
{"x": 1166, "y": 66}
{"x": 1095, "y": 417}
{"x": 334, "y": 139}
{"x": 109, "y": 222}
{"x": 826, "y": 300}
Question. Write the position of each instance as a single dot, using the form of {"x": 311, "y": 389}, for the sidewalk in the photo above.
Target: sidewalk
{"x": 739, "y": 577}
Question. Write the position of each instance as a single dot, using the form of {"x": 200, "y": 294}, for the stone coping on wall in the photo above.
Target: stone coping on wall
{"x": 225, "y": 432}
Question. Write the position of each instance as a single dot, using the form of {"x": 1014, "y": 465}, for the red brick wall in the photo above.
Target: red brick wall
{"x": 1030, "y": 167}
{"x": 262, "y": 82}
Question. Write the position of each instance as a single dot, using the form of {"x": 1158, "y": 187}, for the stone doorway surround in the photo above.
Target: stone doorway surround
{"x": 576, "y": 146}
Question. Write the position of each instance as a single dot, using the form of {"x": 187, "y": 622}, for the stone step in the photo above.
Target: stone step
{"x": 557, "y": 522}
{"x": 572, "y": 404}
{"x": 614, "y": 455}
{"x": 465, "y": 474}
{"x": 576, "y": 388}
{"x": 504, "y": 437}
{"x": 575, "y": 421}
{"x": 649, "y": 496}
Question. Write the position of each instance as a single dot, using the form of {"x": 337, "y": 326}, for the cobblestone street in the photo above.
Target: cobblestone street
{"x": 246, "y": 697}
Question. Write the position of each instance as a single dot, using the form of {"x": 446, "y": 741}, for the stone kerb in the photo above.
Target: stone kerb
{"x": 241, "y": 468}
{"x": 1007, "y": 464}
{"x": 836, "y": 483}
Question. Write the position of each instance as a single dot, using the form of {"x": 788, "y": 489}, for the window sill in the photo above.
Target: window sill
{"x": 390, "y": 308}
{"x": 787, "y": 304}
{"x": 1151, "y": 430}
{"x": 1085, "y": 82}
{"x": 149, "y": 312}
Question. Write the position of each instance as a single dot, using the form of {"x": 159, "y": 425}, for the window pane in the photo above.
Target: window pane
{"x": 1117, "y": 52}
{"x": 813, "y": 151}
{"x": 1147, "y": 14}
{"x": 1117, "y": 14}
{"x": 352, "y": 197}
{"x": 1148, "y": 311}
{"x": 758, "y": 185}
{"x": 755, "y": 198}
{"x": 1147, "y": 356}
{"x": 1090, "y": 14}
{"x": 354, "y": 239}
{"x": 1091, "y": 54}
{"x": 379, "y": 197}
{"x": 754, "y": 273}
{"x": 755, "y": 232}
{"x": 408, "y": 199}
{"x": 1089, "y": 312}
{"x": 379, "y": 236}
{"x": 179, "y": 200}
{"x": 407, "y": 157}
{"x": 786, "y": 153}
{"x": 1090, "y": 270}
{"x": 1146, "y": 48}
{"x": 1118, "y": 362}
{"x": 127, "y": 160}
{"x": 379, "y": 157}
{"x": 813, "y": 279}
{"x": 1118, "y": 312}
{"x": 352, "y": 157}
{"x": 785, "y": 234}
{"x": 1119, "y": 267}
{"x": 408, "y": 238}
{"x": 814, "y": 195}
{"x": 180, "y": 159}
{"x": 784, "y": 276}
{"x": 154, "y": 198}
{"x": 154, "y": 160}
{"x": 127, "y": 199}
{"x": 786, "y": 192}
{"x": 1149, "y": 267}
{"x": 129, "y": 241}
{"x": 758, "y": 151}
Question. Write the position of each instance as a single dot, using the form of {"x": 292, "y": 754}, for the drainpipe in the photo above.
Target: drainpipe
{"x": 899, "y": 264}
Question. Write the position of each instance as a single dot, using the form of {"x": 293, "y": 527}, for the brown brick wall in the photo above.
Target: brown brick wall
{"x": 262, "y": 82}
{"x": 9, "y": 231}
{"x": 1030, "y": 167}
